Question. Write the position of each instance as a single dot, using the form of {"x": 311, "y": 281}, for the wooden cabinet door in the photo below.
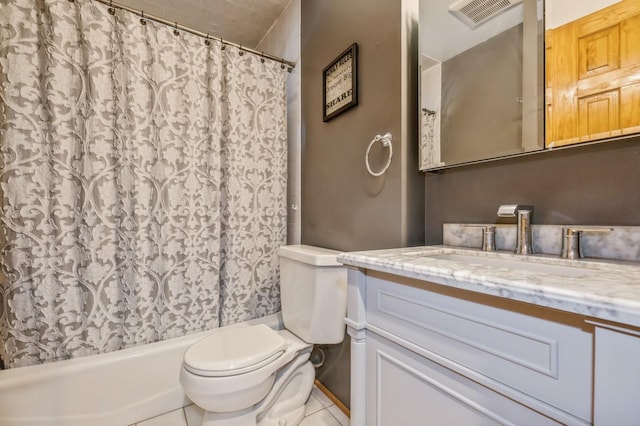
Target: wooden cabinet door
{"x": 593, "y": 76}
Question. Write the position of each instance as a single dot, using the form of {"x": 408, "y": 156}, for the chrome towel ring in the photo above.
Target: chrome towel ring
{"x": 385, "y": 140}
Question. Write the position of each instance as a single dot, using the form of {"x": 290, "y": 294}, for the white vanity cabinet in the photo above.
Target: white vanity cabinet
{"x": 409, "y": 389}
{"x": 433, "y": 354}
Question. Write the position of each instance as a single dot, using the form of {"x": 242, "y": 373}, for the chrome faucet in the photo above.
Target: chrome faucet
{"x": 524, "y": 214}
{"x": 571, "y": 248}
{"x": 488, "y": 236}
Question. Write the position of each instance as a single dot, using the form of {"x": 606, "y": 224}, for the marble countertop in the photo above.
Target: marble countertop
{"x": 608, "y": 290}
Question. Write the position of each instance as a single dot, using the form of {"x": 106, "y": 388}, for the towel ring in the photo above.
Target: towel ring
{"x": 385, "y": 140}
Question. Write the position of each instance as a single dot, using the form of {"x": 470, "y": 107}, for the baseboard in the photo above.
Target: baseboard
{"x": 333, "y": 398}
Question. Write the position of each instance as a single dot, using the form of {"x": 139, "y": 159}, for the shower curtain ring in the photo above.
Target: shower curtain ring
{"x": 241, "y": 51}
{"x": 206, "y": 40}
{"x": 142, "y": 20}
{"x": 262, "y": 58}
{"x": 175, "y": 31}
{"x": 111, "y": 10}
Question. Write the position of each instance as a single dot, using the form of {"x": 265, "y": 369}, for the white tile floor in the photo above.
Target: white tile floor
{"x": 320, "y": 411}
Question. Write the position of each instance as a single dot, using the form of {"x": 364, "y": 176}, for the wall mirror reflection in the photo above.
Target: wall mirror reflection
{"x": 592, "y": 70}
{"x": 481, "y": 80}
{"x": 492, "y": 73}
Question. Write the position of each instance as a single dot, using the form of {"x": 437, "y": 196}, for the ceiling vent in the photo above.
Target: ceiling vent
{"x": 475, "y": 12}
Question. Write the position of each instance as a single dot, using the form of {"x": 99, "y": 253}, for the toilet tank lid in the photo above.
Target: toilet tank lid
{"x": 310, "y": 255}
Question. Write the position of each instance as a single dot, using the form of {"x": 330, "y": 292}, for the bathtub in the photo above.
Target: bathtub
{"x": 113, "y": 389}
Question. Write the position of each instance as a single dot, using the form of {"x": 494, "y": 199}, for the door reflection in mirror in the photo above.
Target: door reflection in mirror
{"x": 592, "y": 70}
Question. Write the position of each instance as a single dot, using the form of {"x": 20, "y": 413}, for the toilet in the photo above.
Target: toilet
{"x": 254, "y": 375}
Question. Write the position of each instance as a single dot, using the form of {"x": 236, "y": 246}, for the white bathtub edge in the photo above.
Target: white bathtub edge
{"x": 90, "y": 390}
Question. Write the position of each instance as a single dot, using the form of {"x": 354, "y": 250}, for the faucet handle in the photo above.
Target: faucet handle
{"x": 488, "y": 236}
{"x": 510, "y": 210}
{"x": 571, "y": 247}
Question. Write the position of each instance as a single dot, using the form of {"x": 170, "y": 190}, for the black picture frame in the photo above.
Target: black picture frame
{"x": 340, "y": 84}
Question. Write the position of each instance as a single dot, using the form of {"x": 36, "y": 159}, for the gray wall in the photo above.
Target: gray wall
{"x": 586, "y": 185}
{"x": 343, "y": 207}
{"x": 480, "y": 110}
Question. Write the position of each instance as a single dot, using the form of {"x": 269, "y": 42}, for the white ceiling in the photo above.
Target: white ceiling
{"x": 560, "y": 12}
{"x": 443, "y": 36}
{"x": 244, "y": 22}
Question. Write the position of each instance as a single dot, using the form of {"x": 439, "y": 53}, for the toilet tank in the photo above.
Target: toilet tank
{"x": 313, "y": 289}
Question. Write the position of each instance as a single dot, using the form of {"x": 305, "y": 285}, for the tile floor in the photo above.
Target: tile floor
{"x": 320, "y": 411}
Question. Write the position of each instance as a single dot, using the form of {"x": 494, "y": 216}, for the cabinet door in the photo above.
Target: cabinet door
{"x": 537, "y": 352}
{"x": 617, "y": 377}
{"x": 593, "y": 76}
{"x": 407, "y": 389}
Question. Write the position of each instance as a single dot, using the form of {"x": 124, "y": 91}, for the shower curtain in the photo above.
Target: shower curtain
{"x": 142, "y": 181}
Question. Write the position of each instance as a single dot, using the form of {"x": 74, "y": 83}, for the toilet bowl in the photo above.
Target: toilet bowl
{"x": 254, "y": 375}
{"x": 229, "y": 380}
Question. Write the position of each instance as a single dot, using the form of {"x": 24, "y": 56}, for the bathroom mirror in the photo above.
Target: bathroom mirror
{"x": 487, "y": 88}
{"x": 592, "y": 51}
{"x": 481, "y": 80}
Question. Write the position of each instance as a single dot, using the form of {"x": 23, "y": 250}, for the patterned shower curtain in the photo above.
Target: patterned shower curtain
{"x": 142, "y": 181}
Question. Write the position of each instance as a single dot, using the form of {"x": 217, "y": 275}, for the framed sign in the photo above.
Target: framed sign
{"x": 340, "y": 84}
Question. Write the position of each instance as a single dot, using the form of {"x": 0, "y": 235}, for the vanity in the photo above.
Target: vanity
{"x": 451, "y": 335}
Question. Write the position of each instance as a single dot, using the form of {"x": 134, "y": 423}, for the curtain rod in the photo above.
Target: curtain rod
{"x": 193, "y": 31}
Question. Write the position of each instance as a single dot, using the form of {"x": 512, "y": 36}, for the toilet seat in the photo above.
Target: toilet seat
{"x": 232, "y": 392}
{"x": 234, "y": 351}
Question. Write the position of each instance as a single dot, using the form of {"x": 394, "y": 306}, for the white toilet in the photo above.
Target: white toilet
{"x": 254, "y": 375}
